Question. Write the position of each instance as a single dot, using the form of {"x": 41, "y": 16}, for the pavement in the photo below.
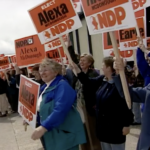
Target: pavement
{"x": 13, "y": 136}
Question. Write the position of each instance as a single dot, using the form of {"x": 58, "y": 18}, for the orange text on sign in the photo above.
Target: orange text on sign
{"x": 51, "y": 13}
{"x": 95, "y": 6}
{"x": 57, "y": 42}
{"x": 26, "y": 113}
{"x": 13, "y": 59}
{"x": 29, "y": 50}
{"x": 47, "y": 16}
{"x": 4, "y": 61}
{"x": 131, "y": 44}
{"x": 5, "y": 67}
{"x": 124, "y": 54}
{"x": 110, "y": 18}
{"x": 130, "y": 33}
{"x": 62, "y": 27}
{"x": 27, "y": 96}
{"x": 55, "y": 54}
{"x": 54, "y": 43}
{"x": 138, "y": 3}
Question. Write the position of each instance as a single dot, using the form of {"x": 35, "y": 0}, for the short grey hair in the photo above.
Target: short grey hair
{"x": 55, "y": 66}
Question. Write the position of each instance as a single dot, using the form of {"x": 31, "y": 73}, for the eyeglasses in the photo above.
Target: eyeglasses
{"x": 44, "y": 70}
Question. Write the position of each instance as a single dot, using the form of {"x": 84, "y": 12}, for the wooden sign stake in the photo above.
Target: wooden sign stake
{"x": 67, "y": 53}
{"x": 63, "y": 66}
{"x": 65, "y": 49}
{"x": 122, "y": 74}
{"x": 135, "y": 62}
{"x": 58, "y": 49}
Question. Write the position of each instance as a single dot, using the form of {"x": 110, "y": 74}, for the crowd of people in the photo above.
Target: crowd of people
{"x": 79, "y": 106}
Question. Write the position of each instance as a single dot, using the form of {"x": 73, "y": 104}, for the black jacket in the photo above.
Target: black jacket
{"x": 88, "y": 93}
{"x": 17, "y": 79}
{"x": 112, "y": 113}
{"x": 3, "y": 86}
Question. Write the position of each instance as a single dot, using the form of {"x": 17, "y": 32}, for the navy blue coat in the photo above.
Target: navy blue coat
{"x": 112, "y": 113}
{"x": 140, "y": 95}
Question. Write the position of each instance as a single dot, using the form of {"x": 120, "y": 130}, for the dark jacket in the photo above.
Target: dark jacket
{"x": 112, "y": 113}
{"x": 17, "y": 79}
{"x": 71, "y": 78}
{"x": 12, "y": 88}
{"x": 3, "y": 86}
{"x": 87, "y": 92}
{"x": 139, "y": 81}
{"x": 140, "y": 95}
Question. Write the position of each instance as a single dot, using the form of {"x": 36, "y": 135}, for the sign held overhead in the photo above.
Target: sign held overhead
{"x": 29, "y": 50}
{"x": 105, "y": 16}
{"x": 54, "y": 18}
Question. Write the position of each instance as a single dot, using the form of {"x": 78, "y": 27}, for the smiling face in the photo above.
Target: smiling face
{"x": 84, "y": 63}
{"x": 47, "y": 74}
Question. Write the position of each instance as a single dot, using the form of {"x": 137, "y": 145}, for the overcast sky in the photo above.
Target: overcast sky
{"x": 15, "y": 22}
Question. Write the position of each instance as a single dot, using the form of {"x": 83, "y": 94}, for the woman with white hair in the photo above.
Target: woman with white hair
{"x": 60, "y": 123}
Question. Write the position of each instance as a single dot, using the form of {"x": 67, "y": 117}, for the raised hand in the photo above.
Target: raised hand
{"x": 17, "y": 69}
{"x": 118, "y": 64}
{"x": 141, "y": 45}
{"x": 75, "y": 68}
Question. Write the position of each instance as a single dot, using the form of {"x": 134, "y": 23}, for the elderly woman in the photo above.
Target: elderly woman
{"x": 113, "y": 117}
{"x": 85, "y": 102}
{"x": 60, "y": 123}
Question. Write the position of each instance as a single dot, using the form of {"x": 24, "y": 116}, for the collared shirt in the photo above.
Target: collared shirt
{"x": 110, "y": 81}
{"x": 40, "y": 98}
